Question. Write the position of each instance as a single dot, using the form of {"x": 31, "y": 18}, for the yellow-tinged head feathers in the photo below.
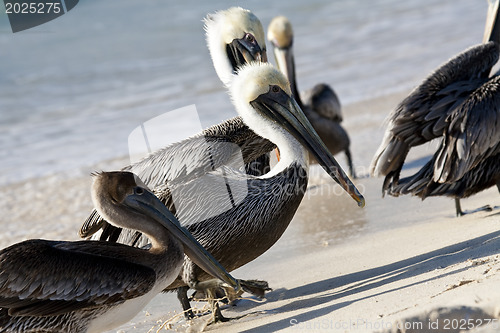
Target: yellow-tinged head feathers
{"x": 280, "y": 32}
{"x": 255, "y": 79}
{"x": 225, "y": 26}
{"x": 234, "y": 23}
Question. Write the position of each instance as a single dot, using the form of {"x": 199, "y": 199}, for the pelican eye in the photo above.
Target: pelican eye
{"x": 250, "y": 38}
{"x": 275, "y": 89}
{"x": 138, "y": 190}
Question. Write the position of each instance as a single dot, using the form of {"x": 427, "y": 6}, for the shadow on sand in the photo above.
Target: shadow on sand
{"x": 373, "y": 278}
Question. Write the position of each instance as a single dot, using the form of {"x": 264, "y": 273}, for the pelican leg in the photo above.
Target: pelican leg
{"x": 209, "y": 288}
{"x": 350, "y": 164}
{"x": 214, "y": 305}
{"x": 458, "y": 208}
{"x": 184, "y": 300}
{"x": 460, "y": 212}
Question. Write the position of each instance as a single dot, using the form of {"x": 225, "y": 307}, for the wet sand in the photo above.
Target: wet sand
{"x": 337, "y": 267}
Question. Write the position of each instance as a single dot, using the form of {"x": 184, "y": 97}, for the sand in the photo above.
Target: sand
{"x": 398, "y": 263}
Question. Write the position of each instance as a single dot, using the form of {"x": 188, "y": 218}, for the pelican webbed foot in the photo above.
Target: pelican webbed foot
{"x": 255, "y": 287}
{"x": 184, "y": 300}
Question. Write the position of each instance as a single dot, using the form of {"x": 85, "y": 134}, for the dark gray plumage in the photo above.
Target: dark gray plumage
{"x": 422, "y": 116}
{"x": 483, "y": 176}
{"x": 189, "y": 159}
{"x": 459, "y": 103}
{"x": 468, "y": 160}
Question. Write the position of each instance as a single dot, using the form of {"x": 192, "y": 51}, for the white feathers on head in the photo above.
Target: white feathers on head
{"x": 221, "y": 28}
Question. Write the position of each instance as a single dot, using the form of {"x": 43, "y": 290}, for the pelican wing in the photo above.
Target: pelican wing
{"x": 195, "y": 156}
{"x": 422, "y": 115}
{"x": 41, "y": 278}
{"x": 473, "y": 133}
{"x": 188, "y": 160}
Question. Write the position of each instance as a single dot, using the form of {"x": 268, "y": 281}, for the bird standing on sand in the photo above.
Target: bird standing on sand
{"x": 459, "y": 103}
{"x": 322, "y": 106}
{"x": 94, "y": 286}
{"x": 234, "y": 37}
{"x": 238, "y": 235}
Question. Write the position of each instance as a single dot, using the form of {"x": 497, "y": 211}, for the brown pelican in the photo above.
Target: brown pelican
{"x": 238, "y": 235}
{"x": 459, "y": 103}
{"x": 234, "y": 37}
{"x": 322, "y": 106}
{"x": 93, "y": 286}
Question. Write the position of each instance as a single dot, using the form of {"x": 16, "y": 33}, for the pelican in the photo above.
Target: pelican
{"x": 236, "y": 236}
{"x": 94, "y": 286}
{"x": 234, "y": 36}
{"x": 322, "y": 106}
{"x": 458, "y": 103}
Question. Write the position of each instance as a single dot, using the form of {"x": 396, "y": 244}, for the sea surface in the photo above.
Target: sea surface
{"x": 73, "y": 89}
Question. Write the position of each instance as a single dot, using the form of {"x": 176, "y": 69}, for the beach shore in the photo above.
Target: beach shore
{"x": 396, "y": 262}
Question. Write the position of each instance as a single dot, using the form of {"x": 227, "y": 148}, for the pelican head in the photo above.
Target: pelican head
{"x": 123, "y": 200}
{"x": 492, "y": 27}
{"x": 263, "y": 98}
{"x": 234, "y": 36}
{"x": 280, "y": 35}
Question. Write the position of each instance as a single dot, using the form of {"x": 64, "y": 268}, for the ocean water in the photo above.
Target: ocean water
{"x": 72, "y": 90}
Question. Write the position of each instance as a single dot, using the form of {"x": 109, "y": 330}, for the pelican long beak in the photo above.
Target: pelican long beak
{"x": 243, "y": 51}
{"x": 492, "y": 27}
{"x": 148, "y": 204}
{"x": 285, "y": 62}
{"x": 284, "y": 110}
